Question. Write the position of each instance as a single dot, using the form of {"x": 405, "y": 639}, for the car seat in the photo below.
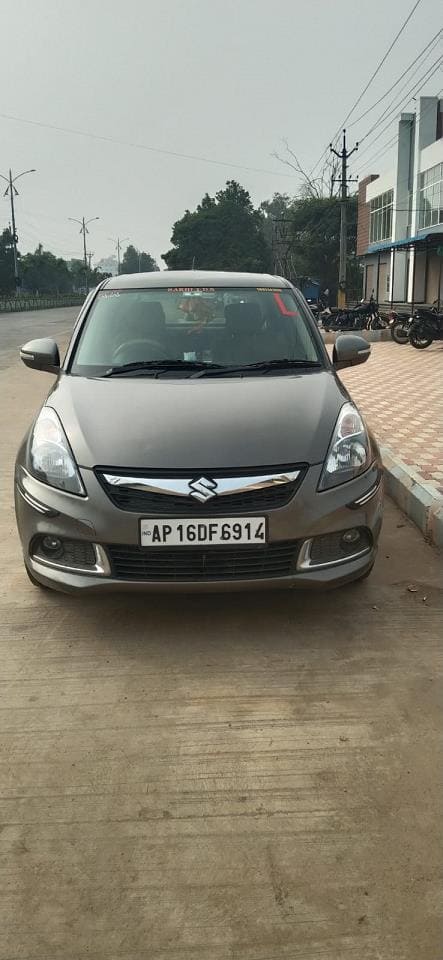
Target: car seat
{"x": 240, "y": 340}
{"x": 147, "y": 321}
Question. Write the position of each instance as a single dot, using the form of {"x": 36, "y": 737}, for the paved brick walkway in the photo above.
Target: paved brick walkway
{"x": 400, "y": 392}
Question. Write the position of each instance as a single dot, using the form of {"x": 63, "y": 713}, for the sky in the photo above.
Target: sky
{"x": 226, "y": 80}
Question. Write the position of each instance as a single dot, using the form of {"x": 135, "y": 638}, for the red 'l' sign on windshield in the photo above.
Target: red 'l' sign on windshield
{"x": 283, "y": 308}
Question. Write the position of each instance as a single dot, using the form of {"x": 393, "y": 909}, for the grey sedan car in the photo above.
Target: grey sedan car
{"x": 197, "y": 436}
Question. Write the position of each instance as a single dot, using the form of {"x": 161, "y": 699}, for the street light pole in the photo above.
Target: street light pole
{"x": 118, "y": 246}
{"x": 13, "y": 192}
{"x": 85, "y": 255}
{"x": 84, "y": 230}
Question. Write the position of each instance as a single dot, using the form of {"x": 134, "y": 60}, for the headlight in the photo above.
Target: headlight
{"x": 51, "y": 459}
{"x": 350, "y": 451}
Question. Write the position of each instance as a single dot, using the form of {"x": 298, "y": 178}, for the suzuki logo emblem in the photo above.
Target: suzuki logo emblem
{"x": 202, "y": 489}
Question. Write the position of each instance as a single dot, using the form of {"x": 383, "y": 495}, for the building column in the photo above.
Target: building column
{"x": 414, "y": 264}
{"x": 378, "y": 278}
{"x": 425, "y": 298}
{"x": 440, "y": 298}
{"x": 411, "y": 275}
{"x": 392, "y": 278}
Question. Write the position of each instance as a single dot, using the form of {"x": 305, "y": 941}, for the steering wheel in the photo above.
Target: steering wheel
{"x": 133, "y": 350}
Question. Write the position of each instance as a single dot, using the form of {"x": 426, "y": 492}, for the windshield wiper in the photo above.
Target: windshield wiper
{"x": 264, "y": 366}
{"x": 159, "y": 366}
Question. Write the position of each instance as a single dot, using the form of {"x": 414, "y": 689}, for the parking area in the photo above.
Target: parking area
{"x": 244, "y": 777}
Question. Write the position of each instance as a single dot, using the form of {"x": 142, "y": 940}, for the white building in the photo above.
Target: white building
{"x": 400, "y": 214}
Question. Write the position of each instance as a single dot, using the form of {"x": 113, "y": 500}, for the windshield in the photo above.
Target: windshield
{"x": 135, "y": 332}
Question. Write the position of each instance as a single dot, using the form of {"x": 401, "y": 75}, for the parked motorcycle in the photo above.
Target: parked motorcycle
{"x": 426, "y": 326}
{"x": 377, "y": 321}
{"x": 399, "y": 325}
{"x": 364, "y": 316}
{"x": 313, "y": 304}
{"x": 319, "y": 306}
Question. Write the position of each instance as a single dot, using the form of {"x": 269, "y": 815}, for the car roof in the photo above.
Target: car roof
{"x": 193, "y": 278}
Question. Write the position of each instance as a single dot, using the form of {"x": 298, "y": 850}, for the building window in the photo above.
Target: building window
{"x": 381, "y": 217}
{"x": 431, "y": 197}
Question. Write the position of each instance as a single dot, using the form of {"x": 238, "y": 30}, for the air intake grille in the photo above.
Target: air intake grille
{"x": 198, "y": 564}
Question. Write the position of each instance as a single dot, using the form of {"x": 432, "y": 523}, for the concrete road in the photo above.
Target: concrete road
{"x": 228, "y": 778}
{"x": 17, "y": 328}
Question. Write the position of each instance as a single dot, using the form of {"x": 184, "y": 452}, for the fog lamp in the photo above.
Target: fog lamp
{"x": 351, "y": 537}
{"x": 52, "y": 546}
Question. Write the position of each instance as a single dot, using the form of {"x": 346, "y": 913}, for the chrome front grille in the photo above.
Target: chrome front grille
{"x": 200, "y": 493}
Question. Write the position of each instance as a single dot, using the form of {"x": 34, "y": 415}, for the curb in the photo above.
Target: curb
{"x": 420, "y": 501}
{"x": 372, "y": 336}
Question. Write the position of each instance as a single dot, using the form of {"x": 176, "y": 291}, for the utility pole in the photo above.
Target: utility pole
{"x": 13, "y": 192}
{"x": 283, "y": 264}
{"x": 344, "y": 157}
{"x": 118, "y": 247}
{"x": 84, "y": 230}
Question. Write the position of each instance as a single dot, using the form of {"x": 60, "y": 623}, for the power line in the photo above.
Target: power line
{"x": 415, "y": 119}
{"x": 372, "y": 77}
{"x": 423, "y": 79}
{"x": 378, "y": 68}
{"x": 143, "y": 146}
{"x": 379, "y": 153}
{"x": 433, "y": 42}
{"x": 31, "y": 229}
{"x": 390, "y": 122}
{"x": 397, "y": 114}
{"x": 316, "y": 226}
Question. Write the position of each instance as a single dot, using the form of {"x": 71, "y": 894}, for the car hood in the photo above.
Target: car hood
{"x": 203, "y": 424}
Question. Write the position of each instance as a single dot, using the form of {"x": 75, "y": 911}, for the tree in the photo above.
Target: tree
{"x": 315, "y": 240}
{"x": 277, "y": 209}
{"x": 277, "y": 219}
{"x": 77, "y": 271}
{"x": 147, "y": 263}
{"x": 137, "y": 261}
{"x": 225, "y": 232}
{"x": 78, "y": 279}
{"x": 306, "y": 239}
{"x": 42, "y": 272}
{"x": 319, "y": 186}
{"x": 7, "y": 281}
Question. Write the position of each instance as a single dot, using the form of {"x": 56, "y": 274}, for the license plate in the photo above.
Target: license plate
{"x": 211, "y": 532}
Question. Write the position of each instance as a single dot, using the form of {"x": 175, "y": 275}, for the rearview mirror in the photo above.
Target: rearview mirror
{"x": 41, "y": 355}
{"x": 350, "y": 350}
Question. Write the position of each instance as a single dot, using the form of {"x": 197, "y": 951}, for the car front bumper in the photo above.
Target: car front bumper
{"x": 42, "y": 510}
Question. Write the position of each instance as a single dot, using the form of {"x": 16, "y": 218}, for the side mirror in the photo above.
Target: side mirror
{"x": 349, "y": 351}
{"x": 41, "y": 355}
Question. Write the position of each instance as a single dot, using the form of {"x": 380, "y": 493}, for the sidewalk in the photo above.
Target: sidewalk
{"x": 400, "y": 392}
